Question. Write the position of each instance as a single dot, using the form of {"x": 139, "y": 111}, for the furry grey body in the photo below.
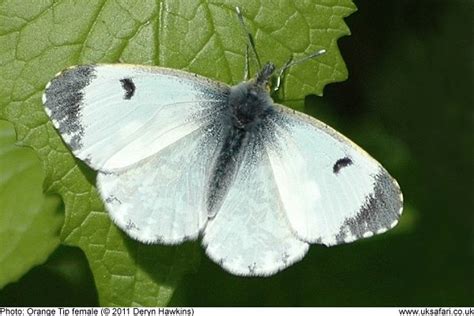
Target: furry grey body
{"x": 244, "y": 120}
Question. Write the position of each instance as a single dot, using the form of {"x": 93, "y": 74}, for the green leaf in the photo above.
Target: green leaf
{"x": 29, "y": 222}
{"x": 38, "y": 39}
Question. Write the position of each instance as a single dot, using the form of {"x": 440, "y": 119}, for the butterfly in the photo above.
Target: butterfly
{"x": 181, "y": 157}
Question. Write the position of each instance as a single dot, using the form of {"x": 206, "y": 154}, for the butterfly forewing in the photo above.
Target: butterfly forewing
{"x": 332, "y": 191}
{"x": 113, "y": 116}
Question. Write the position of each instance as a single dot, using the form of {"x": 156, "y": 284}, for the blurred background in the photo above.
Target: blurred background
{"x": 409, "y": 102}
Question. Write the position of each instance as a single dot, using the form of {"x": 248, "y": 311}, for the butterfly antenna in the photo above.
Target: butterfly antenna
{"x": 291, "y": 63}
{"x": 247, "y": 62}
{"x": 250, "y": 39}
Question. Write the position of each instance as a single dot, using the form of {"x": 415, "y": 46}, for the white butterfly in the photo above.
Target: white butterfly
{"x": 180, "y": 156}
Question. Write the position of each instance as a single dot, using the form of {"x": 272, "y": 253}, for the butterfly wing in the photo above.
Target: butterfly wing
{"x": 152, "y": 133}
{"x": 113, "y": 116}
{"x": 250, "y": 234}
{"x": 298, "y": 182}
{"x": 162, "y": 199}
{"x": 331, "y": 190}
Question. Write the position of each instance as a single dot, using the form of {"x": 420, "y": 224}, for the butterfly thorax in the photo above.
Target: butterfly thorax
{"x": 249, "y": 103}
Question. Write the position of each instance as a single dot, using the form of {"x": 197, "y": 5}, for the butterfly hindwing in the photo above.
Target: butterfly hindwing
{"x": 162, "y": 199}
{"x": 250, "y": 234}
{"x": 332, "y": 191}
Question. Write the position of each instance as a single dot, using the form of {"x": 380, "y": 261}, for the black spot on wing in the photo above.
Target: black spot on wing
{"x": 63, "y": 99}
{"x": 341, "y": 163}
{"x": 129, "y": 87}
{"x": 379, "y": 213}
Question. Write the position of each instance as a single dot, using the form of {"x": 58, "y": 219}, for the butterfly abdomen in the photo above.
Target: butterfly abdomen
{"x": 248, "y": 105}
{"x": 225, "y": 167}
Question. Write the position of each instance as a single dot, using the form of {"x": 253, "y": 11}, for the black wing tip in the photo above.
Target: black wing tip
{"x": 63, "y": 98}
{"x": 80, "y": 74}
{"x": 380, "y": 212}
